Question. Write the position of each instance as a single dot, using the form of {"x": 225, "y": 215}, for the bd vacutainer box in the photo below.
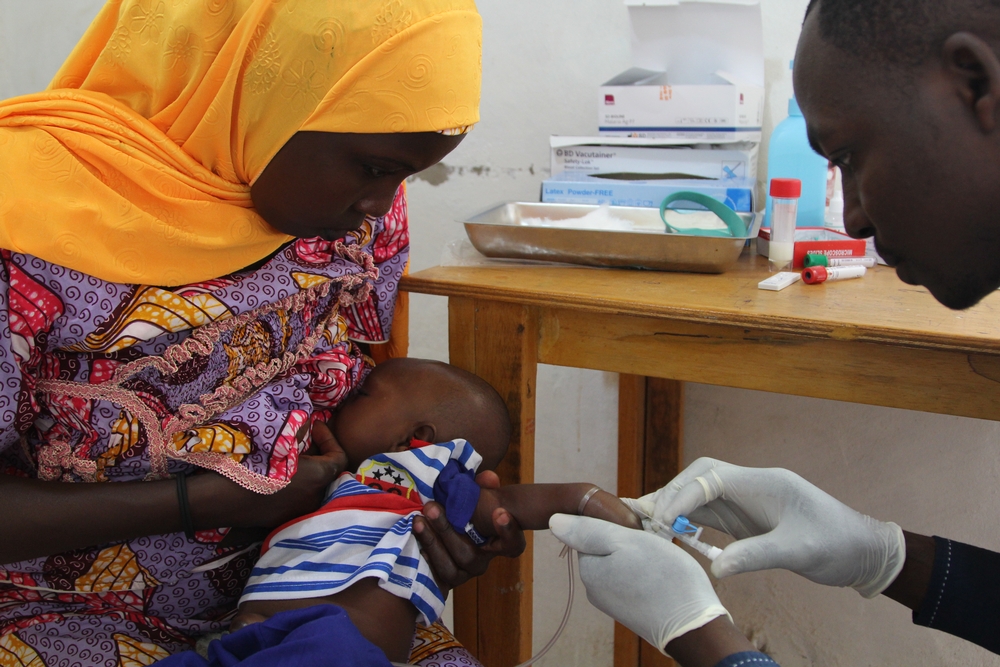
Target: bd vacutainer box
{"x": 655, "y": 158}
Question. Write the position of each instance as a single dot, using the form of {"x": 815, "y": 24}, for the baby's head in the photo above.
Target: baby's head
{"x": 414, "y": 399}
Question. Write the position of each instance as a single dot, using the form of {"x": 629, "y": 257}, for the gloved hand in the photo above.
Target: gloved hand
{"x": 782, "y": 521}
{"x": 643, "y": 581}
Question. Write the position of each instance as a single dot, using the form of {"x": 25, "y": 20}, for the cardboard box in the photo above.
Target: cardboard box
{"x": 818, "y": 241}
{"x": 698, "y": 72}
{"x": 607, "y": 155}
{"x": 573, "y": 188}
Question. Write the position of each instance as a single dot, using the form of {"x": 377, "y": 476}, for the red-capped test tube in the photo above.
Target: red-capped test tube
{"x": 785, "y": 193}
{"x": 815, "y": 275}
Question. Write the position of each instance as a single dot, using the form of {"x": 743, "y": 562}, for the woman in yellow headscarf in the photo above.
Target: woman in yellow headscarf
{"x": 202, "y": 225}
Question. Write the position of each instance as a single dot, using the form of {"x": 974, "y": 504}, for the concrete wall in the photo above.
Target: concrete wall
{"x": 542, "y": 62}
{"x": 35, "y": 38}
{"x": 929, "y": 473}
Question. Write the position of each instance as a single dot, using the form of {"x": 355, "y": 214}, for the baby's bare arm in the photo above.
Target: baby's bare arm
{"x": 389, "y": 621}
{"x": 534, "y": 504}
{"x": 382, "y": 618}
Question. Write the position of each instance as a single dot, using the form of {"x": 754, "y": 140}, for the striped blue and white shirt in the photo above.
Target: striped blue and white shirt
{"x": 364, "y": 529}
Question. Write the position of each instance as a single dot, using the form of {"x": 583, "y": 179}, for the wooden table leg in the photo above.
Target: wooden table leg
{"x": 650, "y": 454}
{"x": 499, "y": 342}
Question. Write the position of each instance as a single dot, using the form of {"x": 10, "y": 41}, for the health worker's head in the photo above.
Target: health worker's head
{"x": 904, "y": 96}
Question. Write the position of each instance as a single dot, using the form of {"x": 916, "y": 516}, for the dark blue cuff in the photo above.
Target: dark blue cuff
{"x": 749, "y": 658}
{"x": 963, "y": 598}
{"x": 457, "y": 490}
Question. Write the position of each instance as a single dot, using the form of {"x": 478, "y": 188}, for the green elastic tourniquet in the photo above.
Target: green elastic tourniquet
{"x": 736, "y": 226}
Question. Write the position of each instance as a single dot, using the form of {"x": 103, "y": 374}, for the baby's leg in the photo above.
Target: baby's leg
{"x": 245, "y": 618}
{"x": 382, "y": 618}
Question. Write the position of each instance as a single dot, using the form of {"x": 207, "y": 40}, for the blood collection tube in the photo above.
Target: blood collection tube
{"x": 785, "y": 193}
{"x": 815, "y": 259}
{"x": 820, "y": 274}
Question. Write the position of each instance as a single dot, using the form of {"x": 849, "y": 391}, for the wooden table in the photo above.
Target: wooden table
{"x": 875, "y": 341}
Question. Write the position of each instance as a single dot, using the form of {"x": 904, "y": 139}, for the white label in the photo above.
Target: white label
{"x": 868, "y": 262}
{"x": 846, "y": 272}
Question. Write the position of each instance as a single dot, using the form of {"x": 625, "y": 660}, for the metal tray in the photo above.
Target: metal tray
{"x": 499, "y": 233}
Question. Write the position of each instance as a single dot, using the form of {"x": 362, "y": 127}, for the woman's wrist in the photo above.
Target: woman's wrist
{"x": 216, "y": 502}
{"x": 708, "y": 645}
{"x": 39, "y": 518}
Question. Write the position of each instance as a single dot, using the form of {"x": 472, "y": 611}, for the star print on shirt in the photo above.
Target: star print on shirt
{"x": 386, "y": 477}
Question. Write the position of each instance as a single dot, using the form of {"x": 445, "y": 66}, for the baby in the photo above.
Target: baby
{"x": 357, "y": 550}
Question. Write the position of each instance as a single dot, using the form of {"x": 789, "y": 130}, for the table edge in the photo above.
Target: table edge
{"x": 804, "y": 327}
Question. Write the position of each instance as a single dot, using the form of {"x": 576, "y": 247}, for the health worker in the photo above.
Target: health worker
{"x": 904, "y": 96}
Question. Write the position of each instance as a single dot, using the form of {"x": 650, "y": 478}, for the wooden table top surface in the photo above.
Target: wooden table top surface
{"x": 877, "y": 308}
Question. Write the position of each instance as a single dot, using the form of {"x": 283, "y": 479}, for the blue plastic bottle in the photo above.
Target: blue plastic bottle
{"x": 791, "y": 156}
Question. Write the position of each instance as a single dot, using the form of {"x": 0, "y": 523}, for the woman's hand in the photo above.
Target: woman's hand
{"x": 455, "y": 558}
{"x": 217, "y": 502}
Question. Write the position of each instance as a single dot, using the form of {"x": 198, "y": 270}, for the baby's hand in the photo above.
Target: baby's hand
{"x": 324, "y": 444}
{"x": 533, "y": 504}
{"x": 490, "y": 500}
{"x": 452, "y": 555}
{"x": 603, "y": 505}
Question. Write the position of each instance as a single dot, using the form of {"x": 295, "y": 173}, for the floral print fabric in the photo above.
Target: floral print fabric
{"x": 111, "y": 383}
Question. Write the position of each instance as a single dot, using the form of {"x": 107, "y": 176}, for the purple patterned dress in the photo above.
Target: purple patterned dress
{"x": 105, "y": 383}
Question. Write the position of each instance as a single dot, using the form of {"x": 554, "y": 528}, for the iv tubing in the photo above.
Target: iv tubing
{"x": 568, "y": 554}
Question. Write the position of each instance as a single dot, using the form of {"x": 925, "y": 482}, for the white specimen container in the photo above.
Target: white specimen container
{"x": 785, "y": 194}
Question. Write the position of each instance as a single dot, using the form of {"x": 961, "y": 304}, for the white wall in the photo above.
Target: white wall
{"x": 929, "y": 473}
{"x": 542, "y": 62}
{"x": 35, "y": 38}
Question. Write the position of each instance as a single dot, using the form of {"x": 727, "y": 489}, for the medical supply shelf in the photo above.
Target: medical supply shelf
{"x": 876, "y": 341}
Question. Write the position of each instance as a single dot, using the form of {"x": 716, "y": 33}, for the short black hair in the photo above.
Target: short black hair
{"x": 902, "y": 32}
{"x": 477, "y": 412}
{"x": 465, "y": 405}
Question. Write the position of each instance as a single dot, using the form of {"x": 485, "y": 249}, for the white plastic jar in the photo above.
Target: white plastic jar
{"x": 785, "y": 194}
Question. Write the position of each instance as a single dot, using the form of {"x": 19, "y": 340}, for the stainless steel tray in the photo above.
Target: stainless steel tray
{"x": 499, "y": 233}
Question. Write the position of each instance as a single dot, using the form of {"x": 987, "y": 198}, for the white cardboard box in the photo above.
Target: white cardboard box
{"x": 608, "y": 155}
{"x": 698, "y": 72}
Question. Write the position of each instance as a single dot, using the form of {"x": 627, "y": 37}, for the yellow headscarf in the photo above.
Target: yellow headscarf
{"x": 134, "y": 166}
